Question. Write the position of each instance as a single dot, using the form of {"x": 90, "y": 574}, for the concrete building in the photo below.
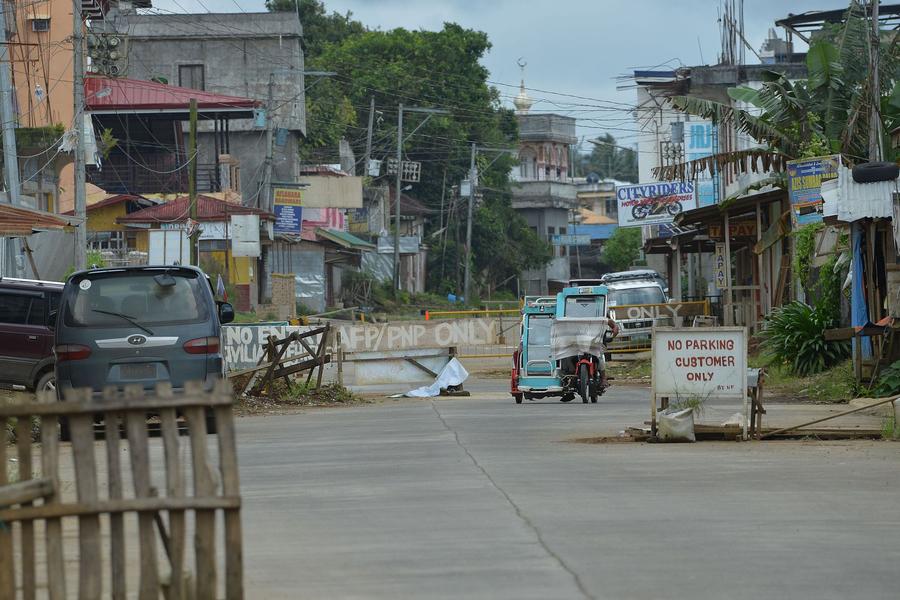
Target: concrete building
{"x": 252, "y": 55}
{"x": 543, "y": 191}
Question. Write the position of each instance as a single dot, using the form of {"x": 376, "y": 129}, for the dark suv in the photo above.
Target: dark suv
{"x": 26, "y": 333}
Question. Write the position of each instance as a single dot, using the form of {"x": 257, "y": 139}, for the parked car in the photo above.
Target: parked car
{"x": 26, "y": 333}
{"x": 139, "y": 325}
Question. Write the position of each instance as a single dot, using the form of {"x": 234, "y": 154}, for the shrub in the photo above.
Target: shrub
{"x": 795, "y": 336}
{"x": 889, "y": 381}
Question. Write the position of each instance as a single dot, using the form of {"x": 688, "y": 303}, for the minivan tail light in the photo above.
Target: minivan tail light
{"x": 65, "y": 352}
{"x": 204, "y": 345}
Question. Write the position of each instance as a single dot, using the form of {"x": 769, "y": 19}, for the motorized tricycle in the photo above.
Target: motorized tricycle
{"x": 563, "y": 345}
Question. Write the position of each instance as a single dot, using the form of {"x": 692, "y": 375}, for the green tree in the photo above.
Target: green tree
{"x": 610, "y": 161}
{"x": 622, "y": 248}
{"x": 828, "y": 112}
{"x": 439, "y": 69}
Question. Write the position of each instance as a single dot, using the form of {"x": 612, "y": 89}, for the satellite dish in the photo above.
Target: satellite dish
{"x": 593, "y": 178}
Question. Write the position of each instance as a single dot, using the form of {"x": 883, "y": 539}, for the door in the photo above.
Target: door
{"x": 23, "y": 335}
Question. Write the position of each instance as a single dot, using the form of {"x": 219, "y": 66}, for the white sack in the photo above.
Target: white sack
{"x": 676, "y": 426}
{"x": 453, "y": 373}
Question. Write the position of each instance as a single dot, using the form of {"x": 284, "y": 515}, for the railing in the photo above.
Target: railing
{"x": 161, "y": 173}
{"x": 104, "y": 514}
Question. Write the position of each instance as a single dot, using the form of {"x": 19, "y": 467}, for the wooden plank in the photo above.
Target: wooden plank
{"x": 174, "y": 489}
{"x": 302, "y": 366}
{"x": 23, "y": 443}
{"x": 204, "y": 487}
{"x": 56, "y": 577}
{"x": 138, "y": 505}
{"x": 90, "y": 406}
{"x": 228, "y": 464}
{"x": 81, "y": 426}
{"x": 842, "y": 333}
{"x": 7, "y": 563}
{"x": 136, "y": 424}
{"x": 112, "y": 434}
{"x": 830, "y": 417}
{"x": 24, "y": 492}
{"x": 416, "y": 363}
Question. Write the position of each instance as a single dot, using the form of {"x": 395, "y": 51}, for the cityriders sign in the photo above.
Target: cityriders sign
{"x": 654, "y": 203}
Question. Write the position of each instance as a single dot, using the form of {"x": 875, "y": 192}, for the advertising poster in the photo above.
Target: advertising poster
{"x": 701, "y": 141}
{"x": 805, "y": 179}
{"x": 288, "y": 211}
{"x": 654, "y": 203}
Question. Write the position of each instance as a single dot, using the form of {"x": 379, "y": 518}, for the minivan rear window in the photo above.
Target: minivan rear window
{"x": 142, "y": 296}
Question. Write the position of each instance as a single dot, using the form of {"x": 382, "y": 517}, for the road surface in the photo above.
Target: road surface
{"x": 480, "y": 498}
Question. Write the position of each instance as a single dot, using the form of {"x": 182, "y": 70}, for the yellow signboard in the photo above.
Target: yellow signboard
{"x": 288, "y": 196}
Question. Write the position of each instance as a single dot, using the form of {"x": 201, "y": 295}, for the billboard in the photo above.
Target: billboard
{"x": 288, "y": 211}
{"x": 805, "y": 177}
{"x": 654, "y": 203}
{"x": 701, "y": 140}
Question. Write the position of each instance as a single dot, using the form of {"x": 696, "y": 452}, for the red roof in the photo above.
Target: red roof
{"x": 208, "y": 209}
{"x": 16, "y": 221}
{"x": 133, "y": 94}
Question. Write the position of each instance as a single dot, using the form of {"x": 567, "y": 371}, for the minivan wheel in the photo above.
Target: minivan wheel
{"x": 46, "y": 383}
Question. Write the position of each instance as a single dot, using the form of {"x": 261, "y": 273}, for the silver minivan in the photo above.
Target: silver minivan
{"x": 139, "y": 325}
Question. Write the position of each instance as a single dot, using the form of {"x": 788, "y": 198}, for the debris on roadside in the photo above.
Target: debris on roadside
{"x": 284, "y": 398}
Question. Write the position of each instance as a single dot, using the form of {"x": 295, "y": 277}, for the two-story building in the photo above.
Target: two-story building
{"x": 543, "y": 191}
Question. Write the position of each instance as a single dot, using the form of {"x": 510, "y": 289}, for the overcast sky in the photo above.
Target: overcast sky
{"x": 575, "y": 47}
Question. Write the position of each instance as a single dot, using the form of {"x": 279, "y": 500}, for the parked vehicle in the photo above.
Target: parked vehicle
{"x": 26, "y": 333}
{"x": 637, "y": 274}
{"x": 139, "y": 325}
{"x": 636, "y": 323}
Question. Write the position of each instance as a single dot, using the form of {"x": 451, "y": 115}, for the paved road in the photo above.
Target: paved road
{"x": 480, "y": 498}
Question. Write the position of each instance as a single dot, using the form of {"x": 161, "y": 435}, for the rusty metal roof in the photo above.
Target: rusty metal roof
{"x": 118, "y": 95}
{"x": 17, "y": 221}
{"x": 178, "y": 210}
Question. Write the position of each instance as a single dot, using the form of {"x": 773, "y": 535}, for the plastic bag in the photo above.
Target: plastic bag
{"x": 676, "y": 426}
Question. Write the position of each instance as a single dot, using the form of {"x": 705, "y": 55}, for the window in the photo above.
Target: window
{"x": 14, "y": 308}
{"x": 40, "y": 24}
{"x": 191, "y": 76}
{"x": 38, "y": 313}
{"x": 107, "y": 240}
{"x": 652, "y": 294}
{"x": 590, "y": 307}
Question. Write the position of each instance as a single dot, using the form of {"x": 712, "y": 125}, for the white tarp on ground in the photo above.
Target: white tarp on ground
{"x": 452, "y": 374}
{"x": 572, "y": 337}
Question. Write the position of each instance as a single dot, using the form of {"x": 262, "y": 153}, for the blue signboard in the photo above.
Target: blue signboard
{"x": 805, "y": 179}
{"x": 288, "y": 219}
{"x": 701, "y": 142}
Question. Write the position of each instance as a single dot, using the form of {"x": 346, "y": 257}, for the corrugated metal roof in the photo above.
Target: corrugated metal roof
{"x": 133, "y": 94}
{"x": 345, "y": 239}
{"x": 16, "y": 221}
{"x": 208, "y": 209}
{"x": 850, "y": 201}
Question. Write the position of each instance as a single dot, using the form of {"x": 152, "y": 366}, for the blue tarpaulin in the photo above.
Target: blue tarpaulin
{"x": 859, "y": 312}
{"x": 597, "y": 232}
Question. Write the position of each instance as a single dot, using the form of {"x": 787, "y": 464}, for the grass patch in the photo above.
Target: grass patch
{"x": 632, "y": 369}
{"x": 832, "y": 386}
{"x": 298, "y": 395}
{"x": 888, "y": 428}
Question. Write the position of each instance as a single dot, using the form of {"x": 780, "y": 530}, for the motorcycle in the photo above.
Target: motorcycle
{"x": 655, "y": 206}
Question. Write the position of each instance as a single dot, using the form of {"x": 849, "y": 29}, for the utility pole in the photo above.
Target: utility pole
{"x": 266, "y": 202}
{"x": 80, "y": 175}
{"x": 400, "y": 110}
{"x": 397, "y": 199}
{"x": 472, "y": 177}
{"x": 10, "y": 159}
{"x": 875, "y": 85}
{"x": 369, "y": 136}
{"x": 192, "y": 180}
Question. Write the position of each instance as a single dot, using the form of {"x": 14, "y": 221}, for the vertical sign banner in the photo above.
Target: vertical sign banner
{"x": 288, "y": 211}
{"x": 805, "y": 179}
{"x": 719, "y": 266}
{"x": 654, "y": 203}
{"x": 701, "y": 141}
